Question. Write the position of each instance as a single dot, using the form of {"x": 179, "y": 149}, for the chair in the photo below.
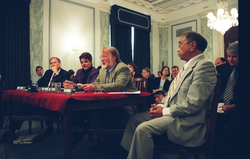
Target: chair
{"x": 141, "y": 84}
{"x": 206, "y": 149}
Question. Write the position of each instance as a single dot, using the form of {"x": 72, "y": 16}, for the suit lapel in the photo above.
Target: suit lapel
{"x": 184, "y": 75}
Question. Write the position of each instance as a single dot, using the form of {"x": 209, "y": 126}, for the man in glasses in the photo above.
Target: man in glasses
{"x": 113, "y": 76}
{"x": 182, "y": 113}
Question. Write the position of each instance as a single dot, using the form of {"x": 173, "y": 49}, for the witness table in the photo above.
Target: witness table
{"x": 65, "y": 104}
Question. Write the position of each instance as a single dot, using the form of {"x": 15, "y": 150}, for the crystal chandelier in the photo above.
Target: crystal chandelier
{"x": 223, "y": 21}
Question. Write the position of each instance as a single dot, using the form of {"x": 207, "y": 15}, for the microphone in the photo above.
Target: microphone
{"x": 64, "y": 75}
{"x": 51, "y": 78}
{"x": 99, "y": 67}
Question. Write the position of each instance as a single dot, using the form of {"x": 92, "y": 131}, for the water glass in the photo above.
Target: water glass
{"x": 98, "y": 87}
{"x": 57, "y": 85}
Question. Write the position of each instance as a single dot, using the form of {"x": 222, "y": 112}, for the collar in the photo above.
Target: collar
{"x": 192, "y": 59}
{"x": 112, "y": 68}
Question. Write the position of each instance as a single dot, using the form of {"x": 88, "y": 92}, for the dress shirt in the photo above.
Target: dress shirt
{"x": 109, "y": 73}
{"x": 35, "y": 79}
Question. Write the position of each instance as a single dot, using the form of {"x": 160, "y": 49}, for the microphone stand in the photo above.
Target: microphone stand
{"x": 51, "y": 79}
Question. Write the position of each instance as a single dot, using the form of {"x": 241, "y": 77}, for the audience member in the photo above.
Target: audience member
{"x": 55, "y": 74}
{"x": 146, "y": 74}
{"x": 175, "y": 71}
{"x": 183, "y": 113}
{"x": 87, "y": 74}
{"x": 162, "y": 83}
{"x": 133, "y": 70}
{"x": 152, "y": 76}
{"x": 159, "y": 95}
{"x": 226, "y": 126}
{"x": 220, "y": 61}
{"x": 159, "y": 73}
{"x": 113, "y": 76}
{"x": 39, "y": 72}
{"x": 71, "y": 74}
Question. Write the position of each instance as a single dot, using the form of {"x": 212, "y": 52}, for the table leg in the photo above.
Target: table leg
{"x": 67, "y": 133}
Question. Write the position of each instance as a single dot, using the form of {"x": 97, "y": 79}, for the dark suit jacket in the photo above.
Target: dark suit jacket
{"x": 156, "y": 84}
{"x": 61, "y": 77}
{"x": 225, "y": 71}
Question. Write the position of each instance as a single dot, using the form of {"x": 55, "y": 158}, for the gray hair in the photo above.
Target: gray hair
{"x": 233, "y": 48}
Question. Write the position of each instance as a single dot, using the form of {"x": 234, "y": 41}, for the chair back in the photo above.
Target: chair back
{"x": 212, "y": 123}
{"x": 206, "y": 148}
{"x": 141, "y": 84}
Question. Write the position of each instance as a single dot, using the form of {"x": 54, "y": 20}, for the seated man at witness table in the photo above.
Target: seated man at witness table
{"x": 113, "y": 76}
{"x": 55, "y": 74}
{"x": 85, "y": 75}
{"x": 146, "y": 74}
{"x": 227, "y": 119}
{"x": 39, "y": 72}
{"x": 183, "y": 114}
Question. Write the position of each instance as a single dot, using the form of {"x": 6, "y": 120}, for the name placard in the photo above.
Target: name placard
{"x": 46, "y": 89}
{"x": 67, "y": 91}
{"x": 21, "y": 88}
{"x": 55, "y": 89}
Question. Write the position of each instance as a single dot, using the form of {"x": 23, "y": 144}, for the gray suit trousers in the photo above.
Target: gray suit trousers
{"x": 142, "y": 126}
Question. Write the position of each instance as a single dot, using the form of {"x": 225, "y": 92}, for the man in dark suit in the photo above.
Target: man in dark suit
{"x": 55, "y": 74}
{"x": 227, "y": 122}
{"x": 59, "y": 74}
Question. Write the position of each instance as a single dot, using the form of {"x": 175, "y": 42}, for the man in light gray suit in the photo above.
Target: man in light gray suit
{"x": 182, "y": 114}
{"x": 114, "y": 76}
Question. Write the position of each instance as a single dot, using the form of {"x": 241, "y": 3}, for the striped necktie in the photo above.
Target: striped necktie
{"x": 107, "y": 73}
{"x": 171, "y": 90}
{"x": 229, "y": 92}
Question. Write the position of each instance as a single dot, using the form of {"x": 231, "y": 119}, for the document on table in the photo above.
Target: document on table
{"x": 136, "y": 92}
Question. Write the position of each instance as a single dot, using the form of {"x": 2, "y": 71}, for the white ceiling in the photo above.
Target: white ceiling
{"x": 167, "y": 10}
{"x": 164, "y": 6}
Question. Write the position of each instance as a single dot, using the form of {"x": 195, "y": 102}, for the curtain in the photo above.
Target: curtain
{"x": 141, "y": 49}
{"x": 14, "y": 43}
{"x": 121, "y": 40}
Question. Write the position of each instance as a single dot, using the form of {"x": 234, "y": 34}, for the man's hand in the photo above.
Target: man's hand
{"x": 227, "y": 108}
{"x": 68, "y": 85}
{"x": 88, "y": 87}
{"x": 155, "y": 111}
{"x": 54, "y": 69}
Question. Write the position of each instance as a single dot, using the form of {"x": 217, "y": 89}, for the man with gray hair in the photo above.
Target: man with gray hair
{"x": 226, "y": 126}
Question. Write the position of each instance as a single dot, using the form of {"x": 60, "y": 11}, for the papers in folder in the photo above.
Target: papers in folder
{"x": 220, "y": 110}
{"x": 136, "y": 92}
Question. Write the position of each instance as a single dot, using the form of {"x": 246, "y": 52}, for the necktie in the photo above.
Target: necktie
{"x": 171, "y": 90}
{"x": 229, "y": 92}
{"x": 107, "y": 76}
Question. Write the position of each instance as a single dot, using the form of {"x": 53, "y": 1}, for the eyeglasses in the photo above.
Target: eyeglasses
{"x": 103, "y": 56}
{"x": 180, "y": 44}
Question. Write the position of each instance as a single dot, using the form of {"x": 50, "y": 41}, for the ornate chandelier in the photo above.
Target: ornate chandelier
{"x": 223, "y": 21}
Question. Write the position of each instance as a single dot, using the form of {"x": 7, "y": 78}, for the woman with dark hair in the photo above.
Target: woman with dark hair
{"x": 87, "y": 74}
{"x": 162, "y": 83}
{"x": 133, "y": 70}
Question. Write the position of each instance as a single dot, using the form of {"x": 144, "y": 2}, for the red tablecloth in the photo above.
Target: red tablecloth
{"x": 57, "y": 101}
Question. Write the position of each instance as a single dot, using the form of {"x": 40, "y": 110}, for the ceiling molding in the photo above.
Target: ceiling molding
{"x": 163, "y": 24}
{"x": 104, "y": 7}
{"x": 204, "y": 14}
